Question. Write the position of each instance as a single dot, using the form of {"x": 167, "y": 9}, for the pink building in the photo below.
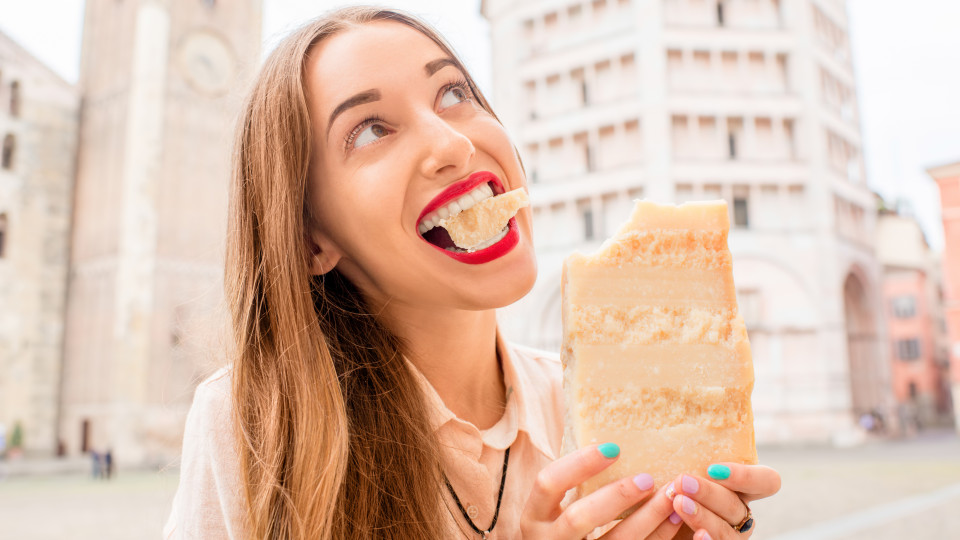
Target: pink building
{"x": 948, "y": 180}
{"x": 912, "y": 299}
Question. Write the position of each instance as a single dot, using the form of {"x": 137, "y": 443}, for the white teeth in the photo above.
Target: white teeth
{"x": 465, "y": 202}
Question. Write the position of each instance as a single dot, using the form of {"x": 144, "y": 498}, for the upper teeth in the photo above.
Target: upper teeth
{"x": 465, "y": 202}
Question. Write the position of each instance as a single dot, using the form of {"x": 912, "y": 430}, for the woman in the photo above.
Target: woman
{"x": 370, "y": 393}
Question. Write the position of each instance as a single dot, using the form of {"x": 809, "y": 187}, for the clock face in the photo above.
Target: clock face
{"x": 207, "y": 63}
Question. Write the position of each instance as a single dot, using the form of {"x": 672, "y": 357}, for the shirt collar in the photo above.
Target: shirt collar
{"x": 522, "y": 401}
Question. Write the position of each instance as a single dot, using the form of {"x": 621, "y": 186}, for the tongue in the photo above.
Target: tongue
{"x": 439, "y": 237}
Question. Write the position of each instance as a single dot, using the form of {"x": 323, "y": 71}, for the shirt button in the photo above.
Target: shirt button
{"x": 473, "y": 511}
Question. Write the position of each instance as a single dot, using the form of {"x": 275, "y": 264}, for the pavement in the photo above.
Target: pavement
{"x": 882, "y": 490}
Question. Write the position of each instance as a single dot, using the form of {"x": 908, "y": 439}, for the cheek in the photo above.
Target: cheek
{"x": 499, "y": 145}
{"x": 363, "y": 217}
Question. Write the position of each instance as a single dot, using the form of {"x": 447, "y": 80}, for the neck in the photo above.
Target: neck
{"x": 456, "y": 350}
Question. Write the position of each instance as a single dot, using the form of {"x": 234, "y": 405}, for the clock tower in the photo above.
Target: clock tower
{"x": 161, "y": 83}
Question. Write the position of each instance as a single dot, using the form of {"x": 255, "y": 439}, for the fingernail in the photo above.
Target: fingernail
{"x": 688, "y": 506}
{"x": 675, "y": 518}
{"x": 718, "y": 472}
{"x": 670, "y": 492}
{"x": 689, "y": 484}
{"x": 706, "y": 536}
{"x": 609, "y": 450}
{"x": 643, "y": 481}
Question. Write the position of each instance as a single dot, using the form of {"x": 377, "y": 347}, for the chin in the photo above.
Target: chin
{"x": 508, "y": 285}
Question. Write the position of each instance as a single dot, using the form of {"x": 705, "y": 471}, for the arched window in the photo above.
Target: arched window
{"x": 15, "y": 98}
{"x": 9, "y": 147}
{"x": 3, "y": 235}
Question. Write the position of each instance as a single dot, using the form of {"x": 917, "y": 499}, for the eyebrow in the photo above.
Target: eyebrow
{"x": 358, "y": 99}
{"x": 369, "y": 96}
{"x": 435, "y": 65}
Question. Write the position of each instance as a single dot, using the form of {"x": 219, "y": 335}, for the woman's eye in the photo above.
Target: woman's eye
{"x": 369, "y": 134}
{"x": 452, "y": 96}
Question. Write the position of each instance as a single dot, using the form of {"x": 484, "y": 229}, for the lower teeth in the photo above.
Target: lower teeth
{"x": 493, "y": 240}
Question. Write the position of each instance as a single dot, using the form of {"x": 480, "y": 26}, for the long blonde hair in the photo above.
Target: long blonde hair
{"x": 333, "y": 432}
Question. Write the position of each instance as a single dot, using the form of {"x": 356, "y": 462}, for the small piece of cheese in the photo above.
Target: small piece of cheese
{"x": 485, "y": 219}
{"x": 655, "y": 353}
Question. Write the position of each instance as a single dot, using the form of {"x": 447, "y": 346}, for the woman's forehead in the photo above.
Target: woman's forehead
{"x": 367, "y": 56}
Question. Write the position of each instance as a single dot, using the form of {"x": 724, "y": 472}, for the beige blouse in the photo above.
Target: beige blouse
{"x": 208, "y": 503}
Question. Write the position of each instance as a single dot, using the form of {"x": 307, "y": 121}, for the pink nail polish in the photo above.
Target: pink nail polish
{"x": 643, "y": 481}
{"x": 688, "y": 506}
{"x": 675, "y": 518}
{"x": 670, "y": 492}
{"x": 689, "y": 484}
{"x": 706, "y": 536}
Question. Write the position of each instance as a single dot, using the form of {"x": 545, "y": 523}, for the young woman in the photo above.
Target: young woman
{"x": 371, "y": 395}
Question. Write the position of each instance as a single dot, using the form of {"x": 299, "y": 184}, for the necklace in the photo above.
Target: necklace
{"x": 496, "y": 513}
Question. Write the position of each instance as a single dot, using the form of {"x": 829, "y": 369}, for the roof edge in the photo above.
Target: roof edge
{"x": 945, "y": 171}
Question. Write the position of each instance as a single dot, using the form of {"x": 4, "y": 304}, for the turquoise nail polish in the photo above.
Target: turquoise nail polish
{"x": 718, "y": 472}
{"x": 609, "y": 450}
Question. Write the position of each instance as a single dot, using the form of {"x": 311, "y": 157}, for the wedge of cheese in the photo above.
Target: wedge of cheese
{"x": 483, "y": 221}
{"x": 655, "y": 353}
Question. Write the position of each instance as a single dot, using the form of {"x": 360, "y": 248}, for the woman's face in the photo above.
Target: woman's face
{"x": 397, "y": 132}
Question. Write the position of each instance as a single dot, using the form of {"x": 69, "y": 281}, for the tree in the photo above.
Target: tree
{"x": 16, "y": 438}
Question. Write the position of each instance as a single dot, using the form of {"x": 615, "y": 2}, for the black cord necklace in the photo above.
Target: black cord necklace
{"x": 496, "y": 513}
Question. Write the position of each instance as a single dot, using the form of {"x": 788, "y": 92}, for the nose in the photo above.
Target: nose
{"x": 447, "y": 150}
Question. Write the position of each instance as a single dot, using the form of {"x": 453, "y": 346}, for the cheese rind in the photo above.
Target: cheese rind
{"x": 656, "y": 356}
{"x": 484, "y": 220}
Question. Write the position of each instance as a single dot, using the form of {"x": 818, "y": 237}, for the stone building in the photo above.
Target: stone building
{"x": 948, "y": 180}
{"x": 751, "y": 101}
{"x": 161, "y": 82}
{"x": 913, "y": 309}
{"x": 38, "y": 130}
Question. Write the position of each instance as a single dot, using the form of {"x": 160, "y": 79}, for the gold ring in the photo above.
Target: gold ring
{"x": 746, "y": 523}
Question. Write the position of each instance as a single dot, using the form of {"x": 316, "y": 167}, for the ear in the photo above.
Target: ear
{"x": 324, "y": 255}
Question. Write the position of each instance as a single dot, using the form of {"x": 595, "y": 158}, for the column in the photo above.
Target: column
{"x": 749, "y": 138}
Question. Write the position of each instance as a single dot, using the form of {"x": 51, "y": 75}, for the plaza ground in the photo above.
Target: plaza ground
{"x": 883, "y": 490}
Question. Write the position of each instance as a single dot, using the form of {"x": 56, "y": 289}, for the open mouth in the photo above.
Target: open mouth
{"x": 458, "y": 198}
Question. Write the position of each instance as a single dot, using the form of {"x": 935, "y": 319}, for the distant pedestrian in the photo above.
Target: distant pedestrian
{"x": 97, "y": 464}
{"x": 3, "y": 438}
{"x": 108, "y": 463}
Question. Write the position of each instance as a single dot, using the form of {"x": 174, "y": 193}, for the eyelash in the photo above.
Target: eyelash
{"x": 460, "y": 83}
{"x": 348, "y": 140}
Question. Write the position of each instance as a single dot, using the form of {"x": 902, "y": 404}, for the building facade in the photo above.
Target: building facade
{"x": 161, "y": 82}
{"x": 751, "y": 101}
{"x": 912, "y": 306}
{"x": 948, "y": 180}
{"x": 38, "y": 130}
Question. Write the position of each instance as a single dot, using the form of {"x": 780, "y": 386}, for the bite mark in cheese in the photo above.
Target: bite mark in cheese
{"x": 484, "y": 220}
{"x": 655, "y": 353}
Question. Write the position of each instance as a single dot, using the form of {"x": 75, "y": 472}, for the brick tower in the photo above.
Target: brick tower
{"x": 161, "y": 81}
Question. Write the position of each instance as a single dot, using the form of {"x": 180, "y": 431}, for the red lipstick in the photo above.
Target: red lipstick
{"x": 458, "y": 189}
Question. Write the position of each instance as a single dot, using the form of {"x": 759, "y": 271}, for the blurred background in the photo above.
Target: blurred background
{"x": 830, "y": 127}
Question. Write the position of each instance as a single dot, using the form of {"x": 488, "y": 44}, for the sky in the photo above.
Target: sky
{"x": 905, "y": 60}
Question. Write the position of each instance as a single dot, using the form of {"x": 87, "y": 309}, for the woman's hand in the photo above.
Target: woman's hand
{"x": 714, "y": 507}
{"x": 544, "y": 518}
